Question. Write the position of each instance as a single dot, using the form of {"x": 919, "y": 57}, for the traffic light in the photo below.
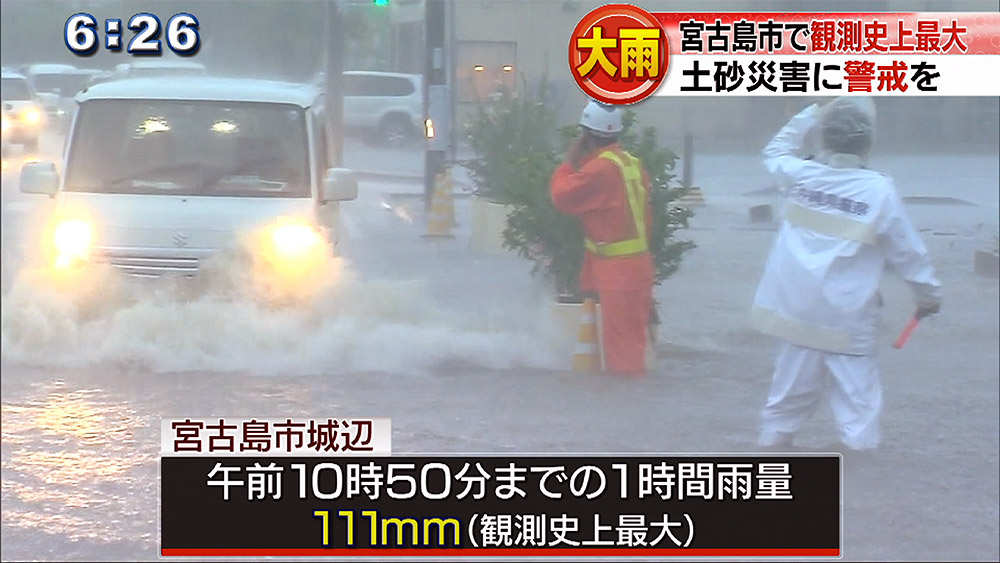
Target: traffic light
{"x": 381, "y": 2}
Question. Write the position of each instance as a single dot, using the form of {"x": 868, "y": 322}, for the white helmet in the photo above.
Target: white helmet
{"x": 601, "y": 119}
{"x": 848, "y": 121}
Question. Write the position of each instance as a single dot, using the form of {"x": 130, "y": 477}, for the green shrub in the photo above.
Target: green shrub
{"x": 517, "y": 149}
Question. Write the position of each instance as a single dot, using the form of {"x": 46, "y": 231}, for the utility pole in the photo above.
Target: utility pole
{"x": 436, "y": 95}
{"x": 334, "y": 87}
{"x": 450, "y": 77}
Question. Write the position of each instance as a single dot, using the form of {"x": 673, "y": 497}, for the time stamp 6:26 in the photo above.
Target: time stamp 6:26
{"x": 81, "y": 34}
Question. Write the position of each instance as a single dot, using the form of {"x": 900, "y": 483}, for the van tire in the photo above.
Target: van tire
{"x": 394, "y": 130}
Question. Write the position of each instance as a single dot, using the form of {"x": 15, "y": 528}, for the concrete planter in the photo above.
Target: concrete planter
{"x": 488, "y": 220}
{"x": 986, "y": 263}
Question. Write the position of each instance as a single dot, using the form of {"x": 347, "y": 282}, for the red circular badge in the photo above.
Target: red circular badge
{"x": 618, "y": 54}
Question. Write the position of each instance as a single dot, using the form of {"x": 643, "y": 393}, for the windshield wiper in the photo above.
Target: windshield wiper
{"x": 180, "y": 166}
{"x": 238, "y": 170}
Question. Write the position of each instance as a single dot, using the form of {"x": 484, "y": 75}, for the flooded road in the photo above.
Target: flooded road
{"x": 79, "y": 475}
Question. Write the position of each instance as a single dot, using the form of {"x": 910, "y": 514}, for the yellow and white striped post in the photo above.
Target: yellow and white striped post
{"x": 587, "y": 356}
{"x": 442, "y": 212}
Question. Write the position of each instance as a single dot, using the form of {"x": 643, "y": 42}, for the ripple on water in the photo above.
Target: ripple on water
{"x": 71, "y": 466}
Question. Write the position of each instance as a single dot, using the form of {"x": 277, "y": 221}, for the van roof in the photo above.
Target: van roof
{"x": 203, "y": 89}
{"x": 168, "y": 64}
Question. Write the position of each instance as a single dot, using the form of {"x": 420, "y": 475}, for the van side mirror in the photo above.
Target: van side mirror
{"x": 39, "y": 178}
{"x": 340, "y": 184}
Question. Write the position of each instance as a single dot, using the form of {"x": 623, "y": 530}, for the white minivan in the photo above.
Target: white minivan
{"x": 388, "y": 107}
{"x": 56, "y": 85}
{"x": 159, "y": 175}
{"x": 388, "y": 104}
{"x": 23, "y": 116}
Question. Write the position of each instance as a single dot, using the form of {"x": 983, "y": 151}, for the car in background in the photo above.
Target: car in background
{"x": 47, "y": 81}
{"x": 387, "y": 106}
{"x": 102, "y": 76}
{"x": 150, "y": 69}
{"x": 23, "y": 117}
{"x": 161, "y": 175}
{"x": 56, "y": 85}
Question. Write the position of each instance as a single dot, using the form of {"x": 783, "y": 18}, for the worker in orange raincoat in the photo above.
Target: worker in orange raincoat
{"x": 608, "y": 190}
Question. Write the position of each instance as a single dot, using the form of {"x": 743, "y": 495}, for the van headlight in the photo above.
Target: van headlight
{"x": 295, "y": 241}
{"x": 72, "y": 240}
{"x": 31, "y": 116}
{"x": 292, "y": 249}
{"x": 292, "y": 261}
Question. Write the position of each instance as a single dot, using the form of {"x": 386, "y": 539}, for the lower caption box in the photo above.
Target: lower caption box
{"x": 535, "y": 506}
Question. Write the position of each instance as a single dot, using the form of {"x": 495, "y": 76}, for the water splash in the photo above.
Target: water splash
{"x": 219, "y": 324}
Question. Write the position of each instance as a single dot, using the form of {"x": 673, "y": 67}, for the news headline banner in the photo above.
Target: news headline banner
{"x": 469, "y": 506}
{"x": 832, "y": 54}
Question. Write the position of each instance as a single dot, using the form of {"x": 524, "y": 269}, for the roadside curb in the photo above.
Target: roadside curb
{"x": 461, "y": 189}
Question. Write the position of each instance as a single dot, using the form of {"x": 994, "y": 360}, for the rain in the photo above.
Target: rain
{"x": 437, "y": 325}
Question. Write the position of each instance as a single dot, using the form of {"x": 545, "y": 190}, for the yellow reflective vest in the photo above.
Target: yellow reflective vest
{"x": 632, "y": 173}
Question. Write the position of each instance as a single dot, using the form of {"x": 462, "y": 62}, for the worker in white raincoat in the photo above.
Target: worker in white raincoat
{"x": 842, "y": 225}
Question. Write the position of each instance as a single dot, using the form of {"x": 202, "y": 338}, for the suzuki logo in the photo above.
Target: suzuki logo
{"x": 180, "y": 239}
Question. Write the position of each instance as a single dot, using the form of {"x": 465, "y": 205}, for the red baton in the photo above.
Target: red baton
{"x": 905, "y": 335}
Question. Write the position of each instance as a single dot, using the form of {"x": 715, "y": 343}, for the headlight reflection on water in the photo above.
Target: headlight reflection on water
{"x": 71, "y": 463}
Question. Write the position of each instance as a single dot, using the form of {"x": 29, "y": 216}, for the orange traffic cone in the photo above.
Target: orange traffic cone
{"x": 442, "y": 212}
{"x": 587, "y": 356}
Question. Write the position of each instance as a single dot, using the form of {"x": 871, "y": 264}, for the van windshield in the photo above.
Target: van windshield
{"x": 190, "y": 148}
